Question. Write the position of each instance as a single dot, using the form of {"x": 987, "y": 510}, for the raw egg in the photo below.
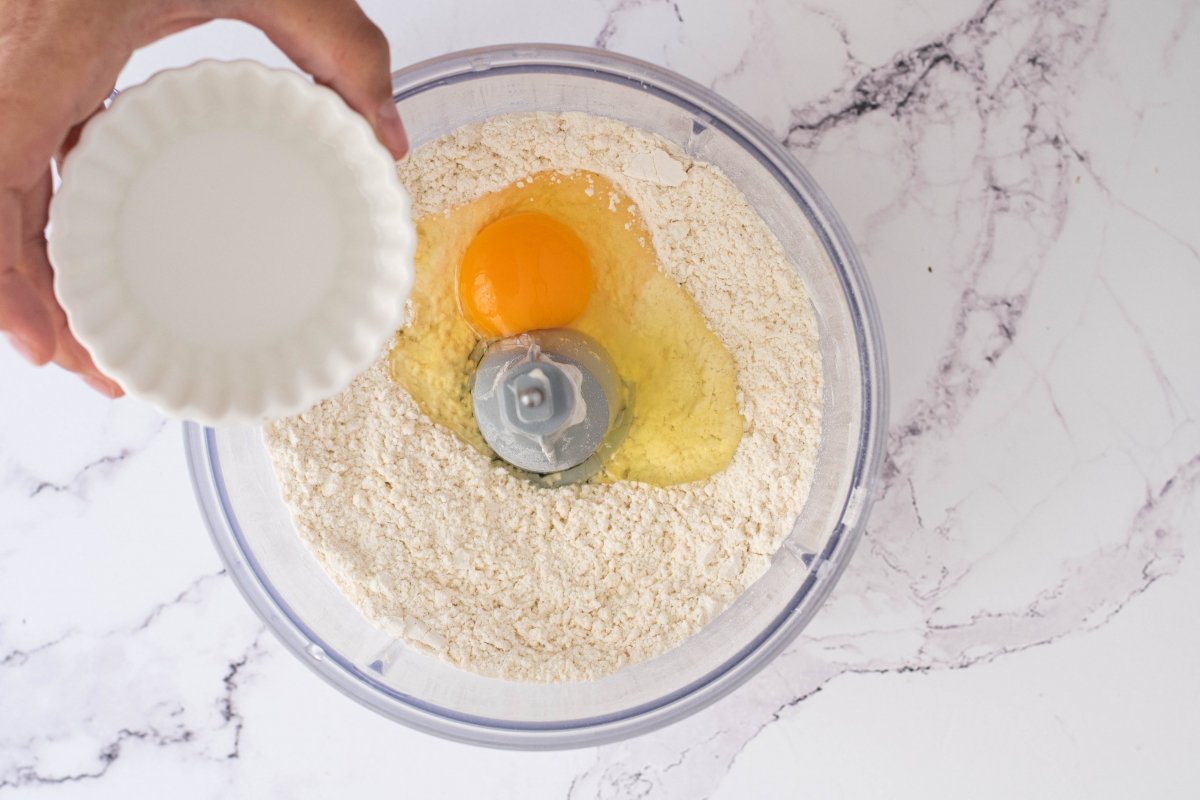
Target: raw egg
{"x": 570, "y": 250}
{"x": 524, "y": 272}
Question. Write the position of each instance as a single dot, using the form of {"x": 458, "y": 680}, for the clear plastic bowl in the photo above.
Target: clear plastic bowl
{"x": 252, "y": 529}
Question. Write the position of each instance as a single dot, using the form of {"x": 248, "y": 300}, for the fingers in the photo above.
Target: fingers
{"x": 36, "y": 327}
{"x": 30, "y": 316}
{"x": 335, "y": 42}
{"x": 22, "y": 315}
{"x": 68, "y": 352}
{"x": 38, "y": 331}
{"x": 72, "y": 137}
{"x": 74, "y": 49}
{"x": 36, "y": 117}
{"x": 24, "y": 320}
{"x": 34, "y": 263}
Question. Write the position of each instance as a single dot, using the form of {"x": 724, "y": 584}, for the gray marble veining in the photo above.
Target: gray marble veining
{"x": 1020, "y": 176}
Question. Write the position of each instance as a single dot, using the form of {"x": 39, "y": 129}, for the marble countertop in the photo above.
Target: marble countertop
{"x": 1021, "y": 177}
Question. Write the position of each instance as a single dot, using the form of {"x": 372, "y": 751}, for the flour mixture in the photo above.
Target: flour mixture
{"x": 455, "y": 554}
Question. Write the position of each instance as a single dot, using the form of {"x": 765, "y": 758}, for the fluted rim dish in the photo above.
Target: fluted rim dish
{"x": 181, "y": 372}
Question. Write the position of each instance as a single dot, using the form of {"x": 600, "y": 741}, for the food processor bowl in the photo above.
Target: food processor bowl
{"x": 273, "y": 568}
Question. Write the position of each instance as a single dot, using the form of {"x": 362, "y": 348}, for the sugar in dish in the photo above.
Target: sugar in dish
{"x": 229, "y": 242}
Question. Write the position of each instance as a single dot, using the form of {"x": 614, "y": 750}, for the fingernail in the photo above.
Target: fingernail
{"x": 23, "y": 348}
{"x": 103, "y": 386}
{"x": 391, "y": 130}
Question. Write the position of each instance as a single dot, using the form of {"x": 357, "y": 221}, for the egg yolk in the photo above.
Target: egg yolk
{"x": 524, "y": 272}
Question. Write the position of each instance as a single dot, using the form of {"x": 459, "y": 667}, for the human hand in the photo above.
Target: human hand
{"x": 59, "y": 60}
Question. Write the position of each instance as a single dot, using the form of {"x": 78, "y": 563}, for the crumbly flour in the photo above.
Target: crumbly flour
{"x": 455, "y": 555}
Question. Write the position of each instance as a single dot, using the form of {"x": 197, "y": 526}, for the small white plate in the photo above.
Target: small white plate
{"x": 231, "y": 243}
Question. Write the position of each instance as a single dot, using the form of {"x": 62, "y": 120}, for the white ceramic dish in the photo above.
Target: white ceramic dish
{"x": 231, "y": 243}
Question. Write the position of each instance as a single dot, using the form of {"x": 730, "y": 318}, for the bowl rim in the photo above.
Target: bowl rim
{"x": 827, "y": 565}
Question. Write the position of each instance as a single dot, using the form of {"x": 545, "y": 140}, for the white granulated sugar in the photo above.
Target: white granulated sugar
{"x": 457, "y": 556}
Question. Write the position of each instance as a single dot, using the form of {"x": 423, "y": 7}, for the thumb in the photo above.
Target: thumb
{"x": 335, "y": 42}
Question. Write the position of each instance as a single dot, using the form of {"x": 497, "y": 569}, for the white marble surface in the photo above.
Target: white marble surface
{"x": 1021, "y": 178}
